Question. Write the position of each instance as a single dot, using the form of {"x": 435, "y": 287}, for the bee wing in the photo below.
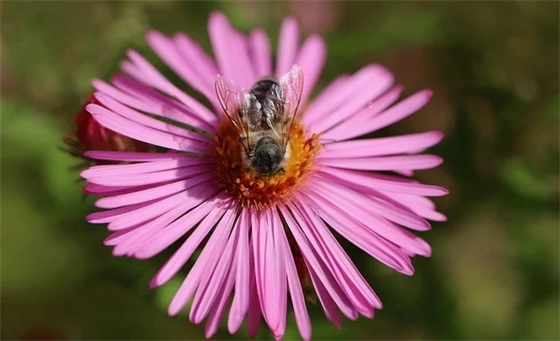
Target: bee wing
{"x": 292, "y": 85}
{"x": 231, "y": 98}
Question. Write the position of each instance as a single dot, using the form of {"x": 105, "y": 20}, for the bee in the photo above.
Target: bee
{"x": 263, "y": 118}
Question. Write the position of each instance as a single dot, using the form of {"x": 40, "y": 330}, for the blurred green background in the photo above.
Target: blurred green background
{"x": 494, "y": 69}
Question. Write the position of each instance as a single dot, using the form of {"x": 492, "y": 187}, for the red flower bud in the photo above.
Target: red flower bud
{"x": 89, "y": 135}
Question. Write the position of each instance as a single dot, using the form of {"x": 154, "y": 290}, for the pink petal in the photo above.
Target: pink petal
{"x": 148, "y": 121}
{"x": 149, "y": 130}
{"x": 278, "y": 235}
{"x": 144, "y": 179}
{"x": 231, "y": 51}
{"x": 377, "y": 203}
{"x": 171, "y": 162}
{"x": 184, "y": 65}
{"x": 311, "y": 58}
{"x": 124, "y": 176}
{"x": 152, "y": 193}
{"x": 164, "y": 105}
{"x": 213, "y": 280}
{"x": 182, "y": 255}
{"x": 409, "y": 144}
{"x": 385, "y": 163}
{"x": 205, "y": 262}
{"x": 338, "y": 255}
{"x": 419, "y": 205}
{"x": 206, "y": 68}
{"x": 119, "y": 236}
{"x": 141, "y": 214}
{"x": 367, "y": 181}
{"x": 174, "y": 231}
{"x": 296, "y": 293}
{"x": 270, "y": 272}
{"x": 259, "y": 47}
{"x": 254, "y": 313}
{"x": 358, "y": 234}
{"x": 102, "y": 190}
{"x": 380, "y": 226}
{"x": 351, "y": 95}
{"x": 314, "y": 263}
{"x": 356, "y": 122}
{"x": 142, "y": 70}
{"x": 110, "y": 215}
{"x": 365, "y": 86}
{"x": 287, "y": 46}
{"x": 404, "y": 172}
{"x": 380, "y": 104}
{"x": 331, "y": 312}
{"x": 401, "y": 110}
{"x": 346, "y": 274}
{"x": 324, "y": 97}
{"x": 240, "y": 304}
{"x": 218, "y": 308}
{"x": 195, "y": 195}
{"x": 145, "y": 232}
{"x": 138, "y": 96}
{"x": 394, "y": 114}
{"x": 131, "y": 156}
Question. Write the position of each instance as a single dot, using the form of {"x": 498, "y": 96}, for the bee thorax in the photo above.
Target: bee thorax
{"x": 266, "y": 103}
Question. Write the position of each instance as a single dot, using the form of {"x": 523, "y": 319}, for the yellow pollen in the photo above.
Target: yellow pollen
{"x": 258, "y": 191}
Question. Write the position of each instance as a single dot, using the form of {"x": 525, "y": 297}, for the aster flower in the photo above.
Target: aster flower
{"x": 261, "y": 236}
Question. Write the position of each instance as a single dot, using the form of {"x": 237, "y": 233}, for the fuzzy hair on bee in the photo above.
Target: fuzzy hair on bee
{"x": 263, "y": 118}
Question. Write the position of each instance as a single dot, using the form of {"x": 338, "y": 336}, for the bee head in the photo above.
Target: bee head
{"x": 267, "y": 156}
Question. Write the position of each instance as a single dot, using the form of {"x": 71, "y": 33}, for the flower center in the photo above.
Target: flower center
{"x": 252, "y": 189}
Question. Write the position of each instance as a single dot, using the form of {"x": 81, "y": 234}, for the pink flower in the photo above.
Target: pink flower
{"x": 261, "y": 236}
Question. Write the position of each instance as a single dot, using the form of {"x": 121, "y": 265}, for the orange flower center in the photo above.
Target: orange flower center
{"x": 252, "y": 189}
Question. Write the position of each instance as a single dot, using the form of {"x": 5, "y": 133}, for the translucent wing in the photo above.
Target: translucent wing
{"x": 292, "y": 85}
{"x": 231, "y": 99}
